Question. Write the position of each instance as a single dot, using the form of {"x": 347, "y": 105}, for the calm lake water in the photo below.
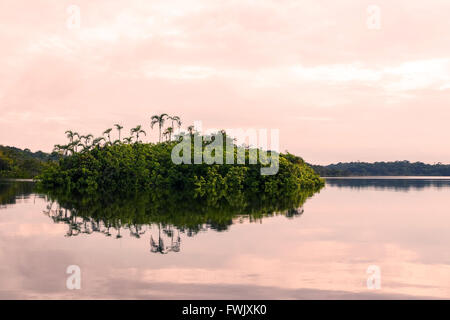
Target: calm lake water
{"x": 323, "y": 250}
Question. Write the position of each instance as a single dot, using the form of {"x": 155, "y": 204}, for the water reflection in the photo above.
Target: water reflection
{"x": 162, "y": 220}
{"x": 397, "y": 184}
{"x": 11, "y": 191}
{"x": 323, "y": 255}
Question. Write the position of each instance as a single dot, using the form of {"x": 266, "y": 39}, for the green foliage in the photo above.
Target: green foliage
{"x": 21, "y": 164}
{"x": 397, "y": 168}
{"x": 142, "y": 167}
{"x": 175, "y": 209}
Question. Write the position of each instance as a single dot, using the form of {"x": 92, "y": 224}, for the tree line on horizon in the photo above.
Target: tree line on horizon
{"x": 394, "y": 168}
{"x": 22, "y": 164}
{"x": 17, "y": 163}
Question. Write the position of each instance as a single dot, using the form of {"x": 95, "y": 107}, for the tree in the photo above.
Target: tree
{"x": 138, "y": 130}
{"x": 119, "y": 128}
{"x": 168, "y": 133}
{"x": 108, "y": 134}
{"x": 96, "y": 141}
{"x": 60, "y": 149}
{"x": 177, "y": 120}
{"x": 71, "y": 135}
{"x": 160, "y": 121}
{"x": 191, "y": 130}
{"x": 87, "y": 139}
{"x": 128, "y": 140}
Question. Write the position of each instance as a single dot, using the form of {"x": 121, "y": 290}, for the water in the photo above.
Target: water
{"x": 322, "y": 250}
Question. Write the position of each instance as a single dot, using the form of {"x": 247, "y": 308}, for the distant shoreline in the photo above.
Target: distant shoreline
{"x": 383, "y": 169}
{"x": 391, "y": 177}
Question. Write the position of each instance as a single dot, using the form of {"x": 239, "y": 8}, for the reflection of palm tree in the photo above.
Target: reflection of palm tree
{"x": 137, "y": 232}
{"x": 160, "y": 247}
{"x": 157, "y": 247}
{"x": 294, "y": 212}
{"x": 98, "y": 214}
{"x": 175, "y": 246}
{"x": 118, "y": 236}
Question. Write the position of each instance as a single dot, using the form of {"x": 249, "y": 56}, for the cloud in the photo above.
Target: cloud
{"x": 235, "y": 63}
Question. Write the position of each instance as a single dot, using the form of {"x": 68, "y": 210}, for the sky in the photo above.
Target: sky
{"x": 349, "y": 80}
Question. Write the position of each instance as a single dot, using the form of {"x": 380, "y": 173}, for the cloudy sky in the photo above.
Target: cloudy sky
{"x": 338, "y": 84}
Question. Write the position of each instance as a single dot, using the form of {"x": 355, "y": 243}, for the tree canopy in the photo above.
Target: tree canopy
{"x": 397, "y": 168}
{"x": 135, "y": 167}
{"x": 22, "y": 164}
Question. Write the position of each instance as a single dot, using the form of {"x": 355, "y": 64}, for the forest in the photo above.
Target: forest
{"x": 87, "y": 163}
{"x": 22, "y": 164}
{"x": 396, "y": 168}
{"x": 127, "y": 165}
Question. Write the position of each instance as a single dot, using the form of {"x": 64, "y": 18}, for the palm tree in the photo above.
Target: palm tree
{"x": 77, "y": 143}
{"x": 65, "y": 149}
{"x": 87, "y": 139}
{"x": 96, "y": 141}
{"x": 191, "y": 130}
{"x": 119, "y": 128}
{"x": 177, "y": 120}
{"x": 138, "y": 130}
{"x": 108, "y": 132}
{"x": 71, "y": 147}
{"x": 168, "y": 132}
{"x": 160, "y": 121}
{"x": 59, "y": 149}
{"x": 128, "y": 140}
{"x": 71, "y": 135}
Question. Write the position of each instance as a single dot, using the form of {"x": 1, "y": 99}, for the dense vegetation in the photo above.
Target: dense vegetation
{"x": 126, "y": 166}
{"x": 162, "y": 217}
{"x": 22, "y": 164}
{"x": 179, "y": 210}
{"x": 397, "y": 168}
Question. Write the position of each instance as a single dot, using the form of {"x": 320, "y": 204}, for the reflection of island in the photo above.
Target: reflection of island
{"x": 164, "y": 220}
{"x": 391, "y": 183}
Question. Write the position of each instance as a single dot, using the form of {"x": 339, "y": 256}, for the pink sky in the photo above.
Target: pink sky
{"x": 337, "y": 90}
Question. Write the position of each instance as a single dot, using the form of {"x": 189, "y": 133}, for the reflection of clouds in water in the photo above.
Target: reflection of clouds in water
{"x": 323, "y": 255}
